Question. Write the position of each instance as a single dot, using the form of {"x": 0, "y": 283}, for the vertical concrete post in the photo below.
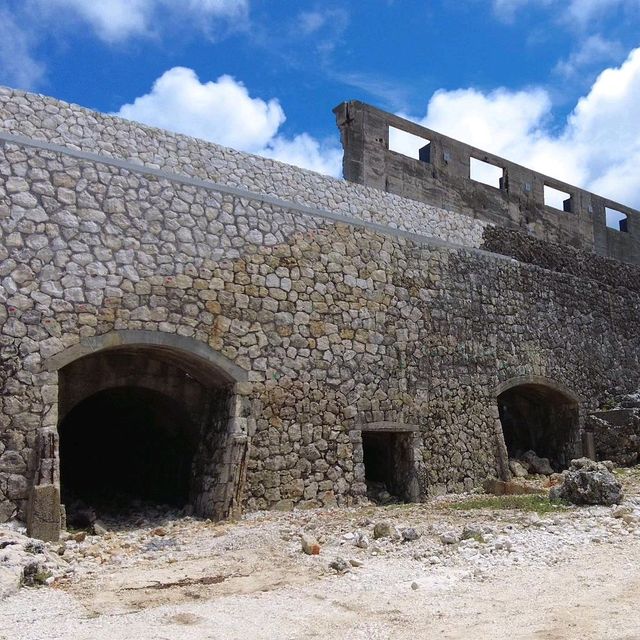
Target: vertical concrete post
{"x": 44, "y": 519}
{"x": 588, "y": 445}
{"x": 365, "y": 140}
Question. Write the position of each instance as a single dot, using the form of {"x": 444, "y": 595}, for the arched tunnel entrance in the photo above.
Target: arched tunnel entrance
{"x": 537, "y": 417}
{"x": 126, "y": 445}
{"x": 146, "y": 425}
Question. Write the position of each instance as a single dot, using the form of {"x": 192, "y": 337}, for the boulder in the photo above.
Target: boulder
{"x": 517, "y": 469}
{"x": 538, "y": 465}
{"x": 383, "y": 530}
{"x": 588, "y": 482}
{"x": 410, "y": 534}
{"x": 450, "y": 538}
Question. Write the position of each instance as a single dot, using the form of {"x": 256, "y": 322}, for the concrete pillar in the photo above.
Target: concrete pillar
{"x": 44, "y": 520}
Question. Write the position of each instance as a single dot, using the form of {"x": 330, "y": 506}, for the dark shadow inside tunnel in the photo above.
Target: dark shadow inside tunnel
{"x": 127, "y": 444}
{"x": 539, "y": 418}
{"x": 388, "y": 462}
{"x": 142, "y": 426}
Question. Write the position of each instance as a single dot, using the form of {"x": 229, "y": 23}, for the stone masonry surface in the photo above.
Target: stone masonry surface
{"x": 336, "y": 325}
{"x": 49, "y": 120}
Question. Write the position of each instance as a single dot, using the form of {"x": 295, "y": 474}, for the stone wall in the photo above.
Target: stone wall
{"x": 442, "y": 176}
{"x": 327, "y": 324}
{"x": 45, "y": 119}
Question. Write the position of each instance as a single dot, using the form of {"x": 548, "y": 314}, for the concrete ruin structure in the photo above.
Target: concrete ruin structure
{"x": 191, "y": 325}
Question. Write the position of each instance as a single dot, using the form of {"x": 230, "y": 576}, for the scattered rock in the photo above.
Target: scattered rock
{"x": 414, "y": 586}
{"x": 449, "y": 538}
{"x": 588, "y": 482}
{"x": 354, "y": 562}
{"x": 25, "y": 561}
{"x": 99, "y": 529}
{"x": 310, "y": 545}
{"x": 339, "y": 565}
{"x": 537, "y": 464}
{"x": 410, "y": 534}
{"x": 517, "y": 469}
{"x": 383, "y": 530}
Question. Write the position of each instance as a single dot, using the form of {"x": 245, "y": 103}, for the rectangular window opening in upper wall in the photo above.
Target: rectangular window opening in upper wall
{"x": 616, "y": 219}
{"x": 487, "y": 173}
{"x": 557, "y": 199}
{"x": 410, "y": 145}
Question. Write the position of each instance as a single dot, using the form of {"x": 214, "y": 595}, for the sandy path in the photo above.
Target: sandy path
{"x": 594, "y": 594}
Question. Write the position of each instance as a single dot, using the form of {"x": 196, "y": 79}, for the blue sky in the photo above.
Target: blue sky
{"x": 553, "y": 84}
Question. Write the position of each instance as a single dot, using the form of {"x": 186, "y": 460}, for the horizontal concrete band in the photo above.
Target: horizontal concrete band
{"x": 393, "y": 427}
{"x": 244, "y": 193}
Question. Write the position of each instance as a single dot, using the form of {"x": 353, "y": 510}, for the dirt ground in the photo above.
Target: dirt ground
{"x": 471, "y": 573}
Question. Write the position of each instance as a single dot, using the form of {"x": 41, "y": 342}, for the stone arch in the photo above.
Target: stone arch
{"x": 539, "y": 414}
{"x": 539, "y": 380}
{"x": 168, "y": 404}
{"x": 169, "y": 342}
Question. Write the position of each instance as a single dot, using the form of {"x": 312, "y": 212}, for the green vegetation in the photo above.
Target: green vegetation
{"x": 34, "y": 576}
{"x": 538, "y": 503}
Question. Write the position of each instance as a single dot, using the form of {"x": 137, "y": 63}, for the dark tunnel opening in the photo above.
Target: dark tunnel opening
{"x": 538, "y": 418}
{"x": 388, "y": 464}
{"x": 125, "y": 445}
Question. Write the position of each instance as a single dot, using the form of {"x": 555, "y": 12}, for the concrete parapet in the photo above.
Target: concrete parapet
{"x": 441, "y": 177}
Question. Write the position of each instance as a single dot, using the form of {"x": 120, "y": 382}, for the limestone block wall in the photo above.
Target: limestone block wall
{"x": 335, "y": 324}
{"x": 46, "y": 119}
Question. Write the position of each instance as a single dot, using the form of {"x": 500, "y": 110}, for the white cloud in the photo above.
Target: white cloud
{"x": 598, "y": 148}
{"x": 305, "y": 151}
{"x": 585, "y": 11}
{"x": 118, "y": 20}
{"x": 18, "y": 68}
{"x": 221, "y": 111}
{"x": 311, "y": 21}
{"x": 592, "y": 50}
{"x": 112, "y": 20}
{"x": 225, "y": 113}
{"x": 506, "y": 9}
{"x": 578, "y": 13}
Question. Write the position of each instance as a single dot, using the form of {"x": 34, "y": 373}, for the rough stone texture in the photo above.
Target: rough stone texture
{"x": 537, "y": 464}
{"x": 588, "y": 482}
{"x": 57, "y": 122}
{"x": 517, "y": 469}
{"x": 561, "y": 258}
{"x": 616, "y": 435}
{"x": 326, "y": 325}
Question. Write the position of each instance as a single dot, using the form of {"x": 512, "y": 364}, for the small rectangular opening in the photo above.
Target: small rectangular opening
{"x": 388, "y": 466}
{"x": 410, "y": 145}
{"x": 487, "y": 173}
{"x": 616, "y": 219}
{"x": 557, "y": 199}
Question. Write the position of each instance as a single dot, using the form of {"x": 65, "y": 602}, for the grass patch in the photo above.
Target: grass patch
{"x": 538, "y": 503}
{"x": 626, "y": 472}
